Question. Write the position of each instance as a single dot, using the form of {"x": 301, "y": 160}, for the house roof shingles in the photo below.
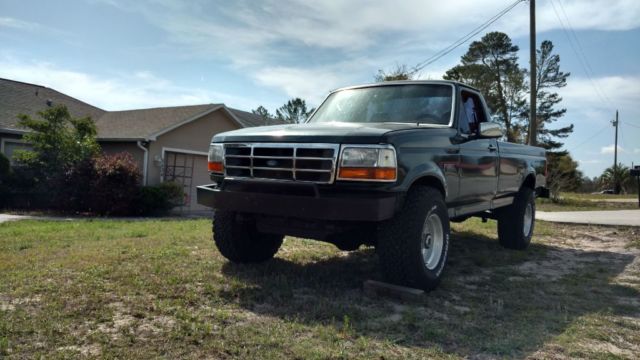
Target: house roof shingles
{"x": 143, "y": 123}
{"x": 23, "y": 98}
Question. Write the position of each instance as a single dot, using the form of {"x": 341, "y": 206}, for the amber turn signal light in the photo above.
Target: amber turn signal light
{"x": 215, "y": 166}
{"x": 366, "y": 173}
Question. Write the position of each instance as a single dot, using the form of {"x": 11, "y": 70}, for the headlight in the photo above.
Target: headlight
{"x": 216, "y": 158}
{"x": 368, "y": 163}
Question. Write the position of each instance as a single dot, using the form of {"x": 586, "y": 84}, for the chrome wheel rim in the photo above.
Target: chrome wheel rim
{"x": 528, "y": 219}
{"x": 432, "y": 241}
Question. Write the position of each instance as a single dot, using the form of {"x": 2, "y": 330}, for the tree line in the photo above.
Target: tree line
{"x": 294, "y": 111}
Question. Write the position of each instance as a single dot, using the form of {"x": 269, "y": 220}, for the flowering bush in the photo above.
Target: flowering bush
{"x": 116, "y": 185}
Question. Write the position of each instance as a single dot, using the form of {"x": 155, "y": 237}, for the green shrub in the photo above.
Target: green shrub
{"x": 160, "y": 199}
{"x": 5, "y": 168}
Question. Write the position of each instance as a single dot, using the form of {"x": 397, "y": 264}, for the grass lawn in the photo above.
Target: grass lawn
{"x": 584, "y": 196}
{"x": 586, "y": 202}
{"x": 141, "y": 289}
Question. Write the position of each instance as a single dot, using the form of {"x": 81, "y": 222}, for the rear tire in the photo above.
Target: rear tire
{"x": 240, "y": 242}
{"x": 414, "y": 245}
{"x": 516, "y": 221}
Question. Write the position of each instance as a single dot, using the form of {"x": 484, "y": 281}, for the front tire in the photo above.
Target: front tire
{"x": 240, "y": 242}
{"x": 516, "y": 222}
{"x": 414, "y": 245}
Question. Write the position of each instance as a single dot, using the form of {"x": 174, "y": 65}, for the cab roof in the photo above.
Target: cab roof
{"x": 409, "y": 82}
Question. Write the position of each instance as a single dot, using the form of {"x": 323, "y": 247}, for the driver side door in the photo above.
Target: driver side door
{"x": 478, "y": 167}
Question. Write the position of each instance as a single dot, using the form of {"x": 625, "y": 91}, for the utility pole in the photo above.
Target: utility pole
{"x": 533, "y": 121}
{"x": 616, "y": 186}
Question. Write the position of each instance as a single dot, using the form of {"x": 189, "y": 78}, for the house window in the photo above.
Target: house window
{"x": 10, "y": 146}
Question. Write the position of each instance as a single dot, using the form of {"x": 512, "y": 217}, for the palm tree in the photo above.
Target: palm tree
{"x": 617, "y": 178}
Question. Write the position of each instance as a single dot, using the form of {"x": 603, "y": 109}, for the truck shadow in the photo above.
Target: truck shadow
{"x": 491, "y": 301}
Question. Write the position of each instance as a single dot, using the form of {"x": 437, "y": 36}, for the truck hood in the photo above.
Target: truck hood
{"x": 355, "y": 133}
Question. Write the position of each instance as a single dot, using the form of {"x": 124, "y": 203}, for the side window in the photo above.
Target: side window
{"x": 471, "y": 113}
{"x": 463, "y": 120}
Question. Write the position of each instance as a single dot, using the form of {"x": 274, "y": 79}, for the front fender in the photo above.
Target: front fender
{"x": 426, "y": 171}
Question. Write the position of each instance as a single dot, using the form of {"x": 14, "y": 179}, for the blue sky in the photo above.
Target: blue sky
{"x": 120, "y": 54}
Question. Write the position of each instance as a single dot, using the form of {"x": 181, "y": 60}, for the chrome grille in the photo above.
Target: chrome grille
{"x": 314, "y": 163}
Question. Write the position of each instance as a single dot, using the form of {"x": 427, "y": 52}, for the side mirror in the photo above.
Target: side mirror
{"x": 490, "y": 130}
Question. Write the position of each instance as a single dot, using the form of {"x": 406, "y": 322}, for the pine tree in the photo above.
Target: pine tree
{"x": 264, "y": 113}
{"x": 549, "y": 77}
{"x": 294, "y": 111}
{"x": 400, "y": 72}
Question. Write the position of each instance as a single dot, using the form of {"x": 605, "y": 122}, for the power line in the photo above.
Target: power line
{"x": 580, "y": 55}
{"x": 584, "y": 56}
{"x": 631, "y": 124}
{"x": 591, "y": 137}
{"x": 621, "y": 137}
{"x": 438, "y": 55}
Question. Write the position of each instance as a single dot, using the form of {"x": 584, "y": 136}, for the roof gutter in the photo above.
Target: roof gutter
{"x": 145, "y": 161}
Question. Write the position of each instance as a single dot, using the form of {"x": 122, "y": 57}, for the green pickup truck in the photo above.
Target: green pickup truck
{"x": 387, "y": 165}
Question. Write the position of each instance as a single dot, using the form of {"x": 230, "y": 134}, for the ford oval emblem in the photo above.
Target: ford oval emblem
{"x": 272, "y": 163}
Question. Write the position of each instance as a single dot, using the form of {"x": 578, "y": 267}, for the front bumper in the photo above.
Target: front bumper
{"x": 333, "y": 207}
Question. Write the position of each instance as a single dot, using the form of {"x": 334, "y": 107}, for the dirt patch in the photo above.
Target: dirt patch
{"x": 90, "y": 350}
{"x": 123, "y": 322}
{"x": 154, "y": 326}
{"x": 555, "y": 265}
{"x": 577, "y": 250}
{"x": 9, "y": 304}
{"x": 610, "y": 348}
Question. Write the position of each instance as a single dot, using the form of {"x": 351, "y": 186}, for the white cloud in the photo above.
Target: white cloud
{"x": 125, "y": 91}
{"x": 610, "y": 149}
{"x": 266, "y": 38}
{"x": 602, "y": 93}
{"x": 33, "y": 27}
{"x": 18, "y": 24}
{"x": 582, "y": 15}
{"x": 597, "y": 99}
{"x": 356, "y": 24}
{"x": 310, "y": 84}
{"x": 291, "y": 45}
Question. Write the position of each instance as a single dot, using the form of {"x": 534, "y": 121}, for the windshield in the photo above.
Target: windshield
{"x": 420, "y": 103}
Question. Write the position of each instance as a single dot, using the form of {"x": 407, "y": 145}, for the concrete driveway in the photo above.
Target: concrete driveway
{"x": 610, "y": 217}
{"x": 9, "y": 217}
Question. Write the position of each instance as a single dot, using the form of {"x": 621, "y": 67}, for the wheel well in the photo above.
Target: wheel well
{"x": 432, "y": 182}
{"x": 530, "y": 181}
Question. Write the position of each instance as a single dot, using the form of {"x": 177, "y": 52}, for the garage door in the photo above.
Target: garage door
{"x": 188, "y": 170}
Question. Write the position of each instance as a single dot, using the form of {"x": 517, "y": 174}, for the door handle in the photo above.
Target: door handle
{"x": 453, "y": 150}
{"x": 492, "y": 147}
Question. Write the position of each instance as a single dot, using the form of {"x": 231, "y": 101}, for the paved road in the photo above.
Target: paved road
{"x": 610, "y": 217}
